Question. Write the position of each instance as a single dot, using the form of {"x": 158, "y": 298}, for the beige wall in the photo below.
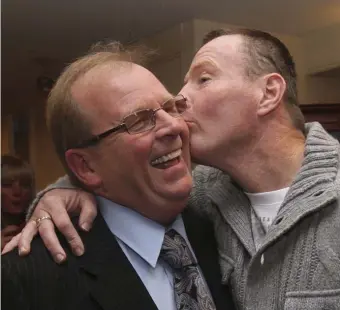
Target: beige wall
{"x": 323, "y": 89}
{"x": 168, "y": 71}
{"x": 322, "y": 49}
{"x": 175, "y": 49}
{"x": 44, "y": 160}
{"x": 322, "y": 52}
{"x": 42, "y": 157}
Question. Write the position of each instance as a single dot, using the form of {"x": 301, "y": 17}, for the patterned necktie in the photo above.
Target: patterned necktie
{"x": 191, "y": 291}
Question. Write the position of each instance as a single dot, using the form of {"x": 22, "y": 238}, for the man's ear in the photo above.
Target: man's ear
{"x": 80, "y": 164}
{"x": 274, "y": 87}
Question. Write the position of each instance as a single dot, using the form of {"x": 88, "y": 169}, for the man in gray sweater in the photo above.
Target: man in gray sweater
{"x": 273, "y": 194}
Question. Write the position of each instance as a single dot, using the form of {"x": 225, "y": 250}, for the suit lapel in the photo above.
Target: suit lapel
{"x": 201, "y": 236}
{"x": 115, "y": 284}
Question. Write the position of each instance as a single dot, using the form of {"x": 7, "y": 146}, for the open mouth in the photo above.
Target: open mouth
{"x": 167, "y": 160}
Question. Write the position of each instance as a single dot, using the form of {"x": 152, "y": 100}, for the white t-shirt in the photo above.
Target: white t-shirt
{"x": 266, "y": 205}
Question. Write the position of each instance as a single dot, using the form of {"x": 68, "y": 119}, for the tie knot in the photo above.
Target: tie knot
{"x": 175, "y": 251}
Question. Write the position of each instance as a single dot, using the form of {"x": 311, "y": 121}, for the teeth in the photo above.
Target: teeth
{"x": 167, "y": 157}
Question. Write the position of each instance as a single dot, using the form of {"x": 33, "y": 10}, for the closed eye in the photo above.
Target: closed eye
{"x": 204, "y": 79}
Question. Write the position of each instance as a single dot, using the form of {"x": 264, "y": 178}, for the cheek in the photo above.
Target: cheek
{"x": 6, "y": 194}
{"x": 139, "y": 151}
{"x": 26, "y": 195}
{"x": 210, "y": 99}
{"x": 209, "y": 108}
{"x": 228, "y": 104}
{"x": 6, "y": 201}
{"x": 132, "y": 154}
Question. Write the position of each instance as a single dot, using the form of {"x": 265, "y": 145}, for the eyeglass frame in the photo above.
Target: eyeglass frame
{"x": 97, "y": 138}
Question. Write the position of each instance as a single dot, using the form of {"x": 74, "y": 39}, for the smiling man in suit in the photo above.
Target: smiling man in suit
{"x": 120, "y": 135}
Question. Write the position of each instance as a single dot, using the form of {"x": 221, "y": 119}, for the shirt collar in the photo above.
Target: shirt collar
{"x": 139, "y": 233}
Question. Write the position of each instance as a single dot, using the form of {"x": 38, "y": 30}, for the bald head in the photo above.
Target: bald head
{"x": 66, "y": 119}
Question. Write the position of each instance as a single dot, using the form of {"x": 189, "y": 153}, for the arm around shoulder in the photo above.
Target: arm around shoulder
{"x": 62, "y": 183}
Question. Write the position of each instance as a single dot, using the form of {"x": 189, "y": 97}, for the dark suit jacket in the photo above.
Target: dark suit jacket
{"x": 102, "y": 278}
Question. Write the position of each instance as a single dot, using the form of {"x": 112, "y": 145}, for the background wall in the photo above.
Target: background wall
{"x": 175, "y": 49}
{"x": 322, "y": 49}
{"x": 6, "y": 134}
{"x": 43, "y": 158}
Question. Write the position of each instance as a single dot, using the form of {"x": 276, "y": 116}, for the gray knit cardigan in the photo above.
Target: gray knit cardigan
{"x": 297, "y": 267}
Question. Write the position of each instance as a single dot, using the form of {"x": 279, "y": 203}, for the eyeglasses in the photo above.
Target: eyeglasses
{"x": 142, "y": 120}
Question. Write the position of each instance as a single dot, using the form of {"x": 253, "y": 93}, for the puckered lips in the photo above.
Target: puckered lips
{"x": 167, "y": 160}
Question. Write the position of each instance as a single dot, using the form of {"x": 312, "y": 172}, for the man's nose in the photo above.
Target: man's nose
{"x": 185, "y": 92}
{"x": 167, "y": 125}
{"x": 16, "y": 187}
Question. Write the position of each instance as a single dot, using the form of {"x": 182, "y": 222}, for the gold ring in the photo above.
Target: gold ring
{"x": 40, "y": 219}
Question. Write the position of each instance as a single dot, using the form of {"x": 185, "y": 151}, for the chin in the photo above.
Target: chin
{"x": 202, "y": 153}
{"x": 182, "y": 190}
{"x": 196, "y": 156}
{"x": 177, "y": 192}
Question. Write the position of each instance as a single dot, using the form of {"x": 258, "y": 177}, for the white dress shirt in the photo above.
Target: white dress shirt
{"x": 141, "y": 240}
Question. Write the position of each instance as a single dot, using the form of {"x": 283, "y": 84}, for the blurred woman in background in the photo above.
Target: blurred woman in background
{"x": 17, "y": 189}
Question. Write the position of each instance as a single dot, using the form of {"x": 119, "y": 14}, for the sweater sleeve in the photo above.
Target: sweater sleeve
{"x": 62, "y": 183}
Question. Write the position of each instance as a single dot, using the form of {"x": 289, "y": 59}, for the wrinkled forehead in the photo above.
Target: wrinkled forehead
{"x": 114, "y": 91}
{"x": 120, "y": 77}
{"x": 140, "y": 89}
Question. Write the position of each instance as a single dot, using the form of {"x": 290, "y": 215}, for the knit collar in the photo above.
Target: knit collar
{"x": 314, "y": 187}
{"x": 320, "y": 165}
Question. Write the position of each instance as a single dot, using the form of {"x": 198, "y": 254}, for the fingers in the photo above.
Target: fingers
{"x": 27, "y": 234}
{"x": 64, "y": 225}
{"x": 88, "y": 211}
{"x": 56, "y": 204}
{"x": 51, "y": 241}
{"x": 11, "y": 245}
{"x": 47, "y": 234}
{"x": 7, "y": 234}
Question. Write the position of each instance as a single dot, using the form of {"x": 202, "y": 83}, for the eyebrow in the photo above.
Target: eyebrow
{"x": 199, "y": 66}
{"x": 145, "y": 104}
